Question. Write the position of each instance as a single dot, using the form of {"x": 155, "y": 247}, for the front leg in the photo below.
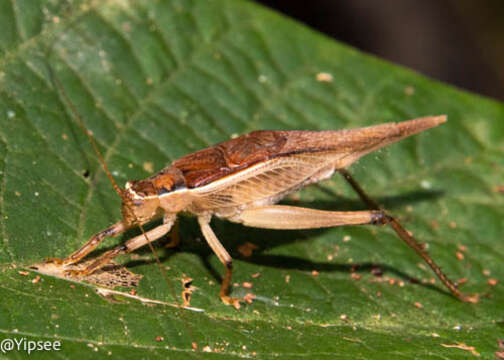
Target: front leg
{"x": 127, "y": 247}
{"x": 90, "y": 245}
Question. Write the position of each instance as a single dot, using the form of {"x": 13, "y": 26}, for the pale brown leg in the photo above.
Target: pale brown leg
{"x": 174, "y": 236}
{"x": 224, "y": 258}
{"x": 296, "y": 218}
{"x": 410, "y": 240}
{"x": 127, "y": 247}
{"x": 90, "y": 245}
{"x": 280, "y": 217}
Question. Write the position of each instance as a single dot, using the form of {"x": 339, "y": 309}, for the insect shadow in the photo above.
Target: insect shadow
{"x": 233, "y": 235}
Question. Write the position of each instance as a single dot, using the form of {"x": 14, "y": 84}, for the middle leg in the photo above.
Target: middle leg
{"x": 224, "y": 258}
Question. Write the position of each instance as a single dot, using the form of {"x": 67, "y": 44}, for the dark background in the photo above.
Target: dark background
{"x": 460, "y": 42}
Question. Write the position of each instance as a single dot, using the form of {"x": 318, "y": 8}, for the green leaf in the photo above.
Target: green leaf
{"x": 154, "y": 80}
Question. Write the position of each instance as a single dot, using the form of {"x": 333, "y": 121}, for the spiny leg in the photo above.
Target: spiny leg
{"x": 224, "y": 258}
{"x": 127, "y": 247}
{"x": 410, "y": 240}
{"x": 90, "y": 245}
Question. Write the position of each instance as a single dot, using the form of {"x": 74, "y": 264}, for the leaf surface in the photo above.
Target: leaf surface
{"x": 155, "y": 80}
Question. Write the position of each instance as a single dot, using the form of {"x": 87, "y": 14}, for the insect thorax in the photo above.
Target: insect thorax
{"x": 165, "y": 190}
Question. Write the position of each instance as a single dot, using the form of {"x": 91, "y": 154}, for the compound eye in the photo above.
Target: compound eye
{"x": 162, "y": 191}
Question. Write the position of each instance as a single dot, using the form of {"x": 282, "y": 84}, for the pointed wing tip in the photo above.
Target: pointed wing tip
{"x": 431, "y": 121}
{"x": 440, "y": 119}
{"x": 415, "y": 126}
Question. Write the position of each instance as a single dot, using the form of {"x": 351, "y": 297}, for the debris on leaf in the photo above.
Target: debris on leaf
{"x": 249, "y": 298}
{"x": 376, "y": 271}
{"x": 473, "y": 299}
{"x": 499, "y": 189}
{"x": 492, "y": 282}
{"x": 110, "y": 276}
{"x": 324, "y": 77}
{"x": 463, "y": 346}
{"x": 355, "y": 276}
{"x": 247, "y": 248}
{"x": 108, "y": 293}
{"x": 148, "y": 166}
{"x": 187, "y": 292}
{"x": 461, "y": 281}
{"x": 500, "y": 354}
{"x": 409, "y": 90}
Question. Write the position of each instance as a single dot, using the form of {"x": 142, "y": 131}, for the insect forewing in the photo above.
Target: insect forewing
{"x": 288, "y": 160}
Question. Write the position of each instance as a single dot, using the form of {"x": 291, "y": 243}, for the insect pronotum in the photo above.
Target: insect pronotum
{"x": 242, "y": 179}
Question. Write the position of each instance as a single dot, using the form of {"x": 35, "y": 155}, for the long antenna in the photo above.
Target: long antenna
{"x": 117, "y": 189}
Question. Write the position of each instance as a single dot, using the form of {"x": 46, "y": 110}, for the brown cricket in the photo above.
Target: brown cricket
{"x": 242, "y": 179}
